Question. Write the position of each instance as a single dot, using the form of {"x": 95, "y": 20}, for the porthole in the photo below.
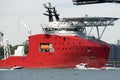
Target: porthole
{"x": 89, "y": 50}
{"x": 41, "y": 63}
{"x": 65, "y": 54}
{"x": 64, "y": 39}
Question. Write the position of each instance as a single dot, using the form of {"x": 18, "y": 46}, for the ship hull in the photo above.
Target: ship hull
{"x": 52, "y": 51}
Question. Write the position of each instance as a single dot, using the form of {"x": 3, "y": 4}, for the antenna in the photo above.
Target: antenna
{"x": 27, "y": 27}
{"x": 51, "y": 12}
{"x": 55, "y": 14}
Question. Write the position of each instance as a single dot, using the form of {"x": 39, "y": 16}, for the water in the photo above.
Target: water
{"x": 59, "y": 74}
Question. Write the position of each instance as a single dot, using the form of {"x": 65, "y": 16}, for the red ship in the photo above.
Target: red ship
{"x": 64, "y": 44}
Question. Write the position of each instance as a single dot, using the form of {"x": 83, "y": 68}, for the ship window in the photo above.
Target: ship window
{"x": 46, "y": 47}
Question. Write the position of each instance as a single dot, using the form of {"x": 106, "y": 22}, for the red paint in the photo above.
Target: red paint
{"x": 68, "y": 52}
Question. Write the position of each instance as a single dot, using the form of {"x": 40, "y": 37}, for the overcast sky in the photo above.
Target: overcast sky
{"x": 31, "y": 13}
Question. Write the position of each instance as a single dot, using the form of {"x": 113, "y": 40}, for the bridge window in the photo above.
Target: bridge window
{"x": 46, "y": 47}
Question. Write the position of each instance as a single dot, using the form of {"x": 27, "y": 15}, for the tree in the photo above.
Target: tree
{"x": 26, "y": 49}
{"x": 1, "y": 52}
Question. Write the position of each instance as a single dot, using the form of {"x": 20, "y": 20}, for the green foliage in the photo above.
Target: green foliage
{"x": 13, "y": 48}
{"x": 1, "y": 52}
{"x": 26, "y": 49}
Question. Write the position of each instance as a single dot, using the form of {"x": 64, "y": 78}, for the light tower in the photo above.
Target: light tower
{"x": 7, "y": 51}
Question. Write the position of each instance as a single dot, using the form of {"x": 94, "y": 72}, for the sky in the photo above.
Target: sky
{"x": 31, "y": 13}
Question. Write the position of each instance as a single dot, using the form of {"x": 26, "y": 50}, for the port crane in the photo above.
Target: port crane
{"x": 83, "y": 2}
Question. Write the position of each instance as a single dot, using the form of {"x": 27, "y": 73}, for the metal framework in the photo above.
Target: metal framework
{"x": 7, "y": 51}
{"x": 93, "y": 22}
{"x": 82, "y": 2}
{"x": 51, "y": 11}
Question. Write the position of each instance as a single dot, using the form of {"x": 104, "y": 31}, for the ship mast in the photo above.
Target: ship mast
{"x": 55, "y": 14}
{"x": 51, "y": 11}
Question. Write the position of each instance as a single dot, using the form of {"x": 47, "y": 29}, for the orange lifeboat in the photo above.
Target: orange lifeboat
{"x": 45, "y": 47}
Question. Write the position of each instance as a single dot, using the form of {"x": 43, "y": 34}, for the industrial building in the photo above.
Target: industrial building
{"x": 114, "y": 56}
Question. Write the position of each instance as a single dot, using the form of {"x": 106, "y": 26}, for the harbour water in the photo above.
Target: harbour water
{"x": 59, "y": 74}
